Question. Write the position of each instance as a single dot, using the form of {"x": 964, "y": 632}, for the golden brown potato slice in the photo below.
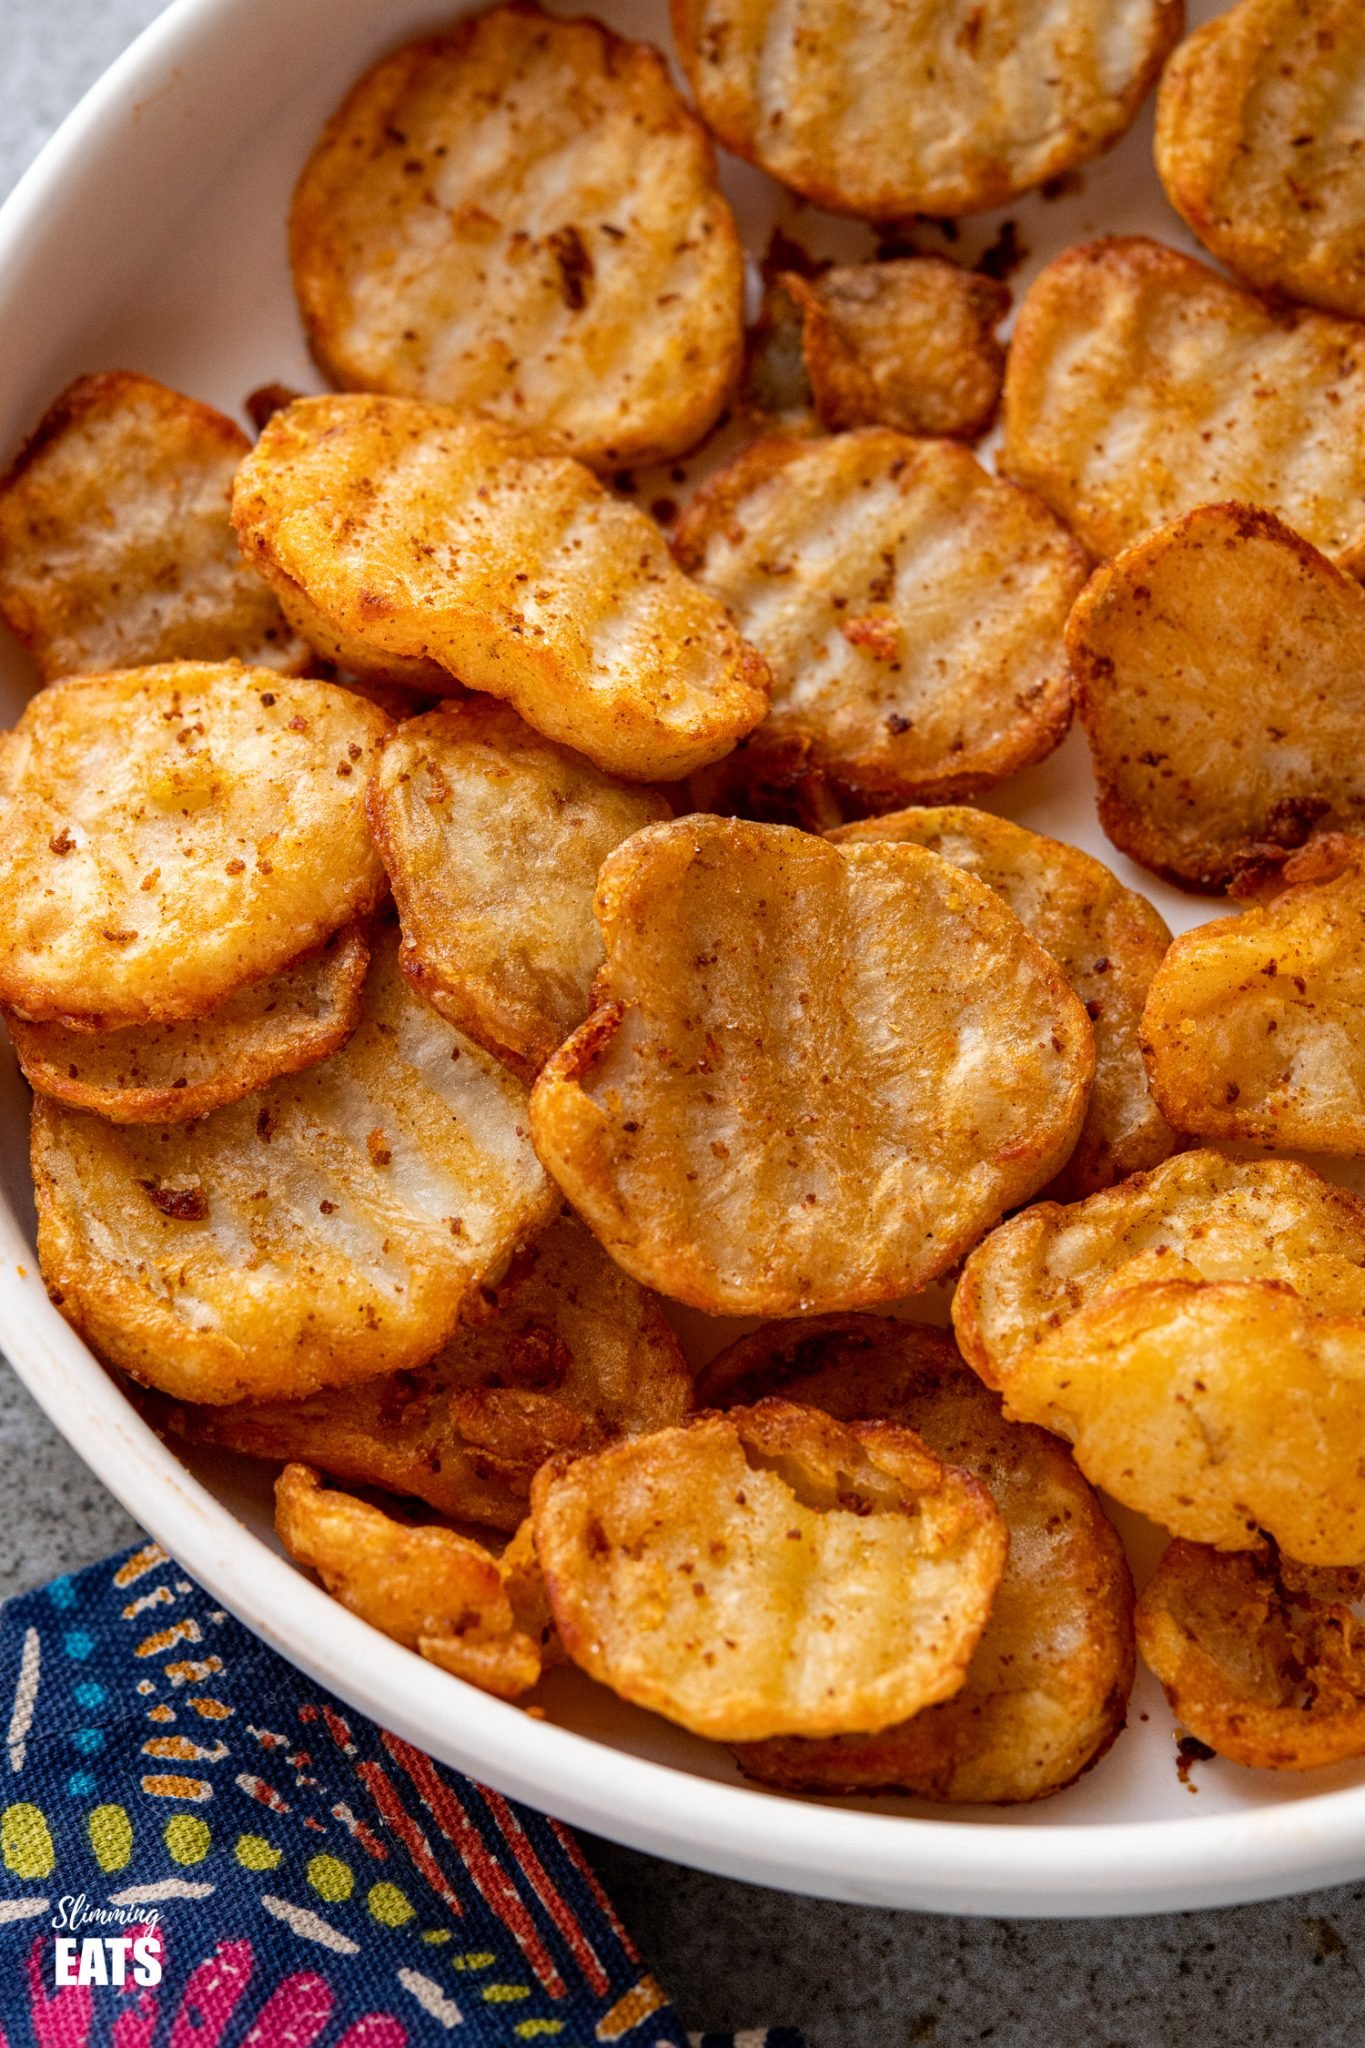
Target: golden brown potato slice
{"x": 1048, "y": 1684}
{"x": 908, "y": 344}
{"x": 331, "y": 1228}
{"x": 1108, "y": 942}
{"x": 116, "y": 550}
{"x": 770, "y": 1571}
{"x": 428, "y": 1588}
{"x": 521, "y": 216}
{"x": 437, "y": 536}
{"x": 1261, "y": 1658}
{"x": 1255, "y": 1025}
{"x": 882, "y": 108}
{"x": 1220, "y": 669}
{"x": 174, "y": 833}
{"x": 173, "y": 1073}
{"x": 569, "y": 1353}
{"x": 1198, "y": 1335}
{"x": 493, "y": 837}
{"x": 909, "y": 605}
{"x": 1198, "y": 1217}
{"x": 816, "y": 1074}
{"x": 1219, "y": 1409}
{"x": 1260, "y": 146}
{"x": 1141, "y": 384}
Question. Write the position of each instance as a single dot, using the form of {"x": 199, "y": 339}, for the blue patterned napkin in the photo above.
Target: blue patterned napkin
{"x": 201, "y": 1849}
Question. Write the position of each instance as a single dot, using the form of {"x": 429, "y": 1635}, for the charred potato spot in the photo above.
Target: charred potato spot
{"x": 884, "y": 1057}
{"x": 909, "y": 606}
{"x": 520, "y": 216}
{"x": 770, "y": 1571}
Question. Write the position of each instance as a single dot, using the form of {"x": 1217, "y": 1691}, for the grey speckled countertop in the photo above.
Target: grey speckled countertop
{"x": 1279, "y": 1975}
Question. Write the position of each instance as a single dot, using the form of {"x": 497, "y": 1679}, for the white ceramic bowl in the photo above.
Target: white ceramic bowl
{"x": 150, "y": 235}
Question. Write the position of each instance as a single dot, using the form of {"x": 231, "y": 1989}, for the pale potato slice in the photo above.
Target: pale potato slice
{"x": 437, "y": 536}
{"x": 493, "y": 837}
{"x": 521, "y": 216}
{"x": 1220, "y": 1409}
{"x": 885, "y": 108}
{"x": 116, "y": 549}
{"x": 1261, "y": 1658}
{"x": 909, "y": 605}
{"x": 1220, "y": 669}
{"x": 173, "y": 1073}
{"x": 331, "y": 1228}
{"x": 428, "y": 1588}
{"x": 567, "y": 1354}
{"x": 1048, "y": 1684}
{"x": 770, "y": 1571}
{"x": 174, "y": 833}
{"x": 1141, "y": 384}
{"x": 1255, "y": 1025}
{"x": 908, "y": 344}
{"x": 816, "y": 1074}
{"x": 1108, "y": 942}
{"x": 1260, "y": 143}
{"x": 1197, "y": 1218}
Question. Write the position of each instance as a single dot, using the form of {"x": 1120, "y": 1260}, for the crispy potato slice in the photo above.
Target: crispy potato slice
{"x": 1261, "y": 1658}
{"x": 331, "y": 1228}
{"x": 770, "y": 1571}
{"x": 886, "y": 109}
{"x": 1220, "y": 669}
{"x": 174, "y": 833}
{"x": 1048, "y": 1684}
{"x": 438, "y": 536}
{"x": 1260, "y": 146}
{"x": 1219, "y": 1409}
{"x": 1141, "y": 384}
{"x": 1198, "y": 1217}
{"x": 521, "y": 216}
{"x": 173, "y": 1073}
{"x": 910, "y": 607}
{"x": 493, "y": 837}
{"x": 816, "y": 1074}
{"x": 570, "y": 1354}
{"x": 428, "y": 1588}
{"x": 116, "y": 550}
{"x": 1255, "y": 1025}
{"x": 1108, "y": 942}
{"x": 908, "y": 344}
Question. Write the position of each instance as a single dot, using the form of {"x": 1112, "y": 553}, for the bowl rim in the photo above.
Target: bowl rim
{"x": 951, "y": 1865}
